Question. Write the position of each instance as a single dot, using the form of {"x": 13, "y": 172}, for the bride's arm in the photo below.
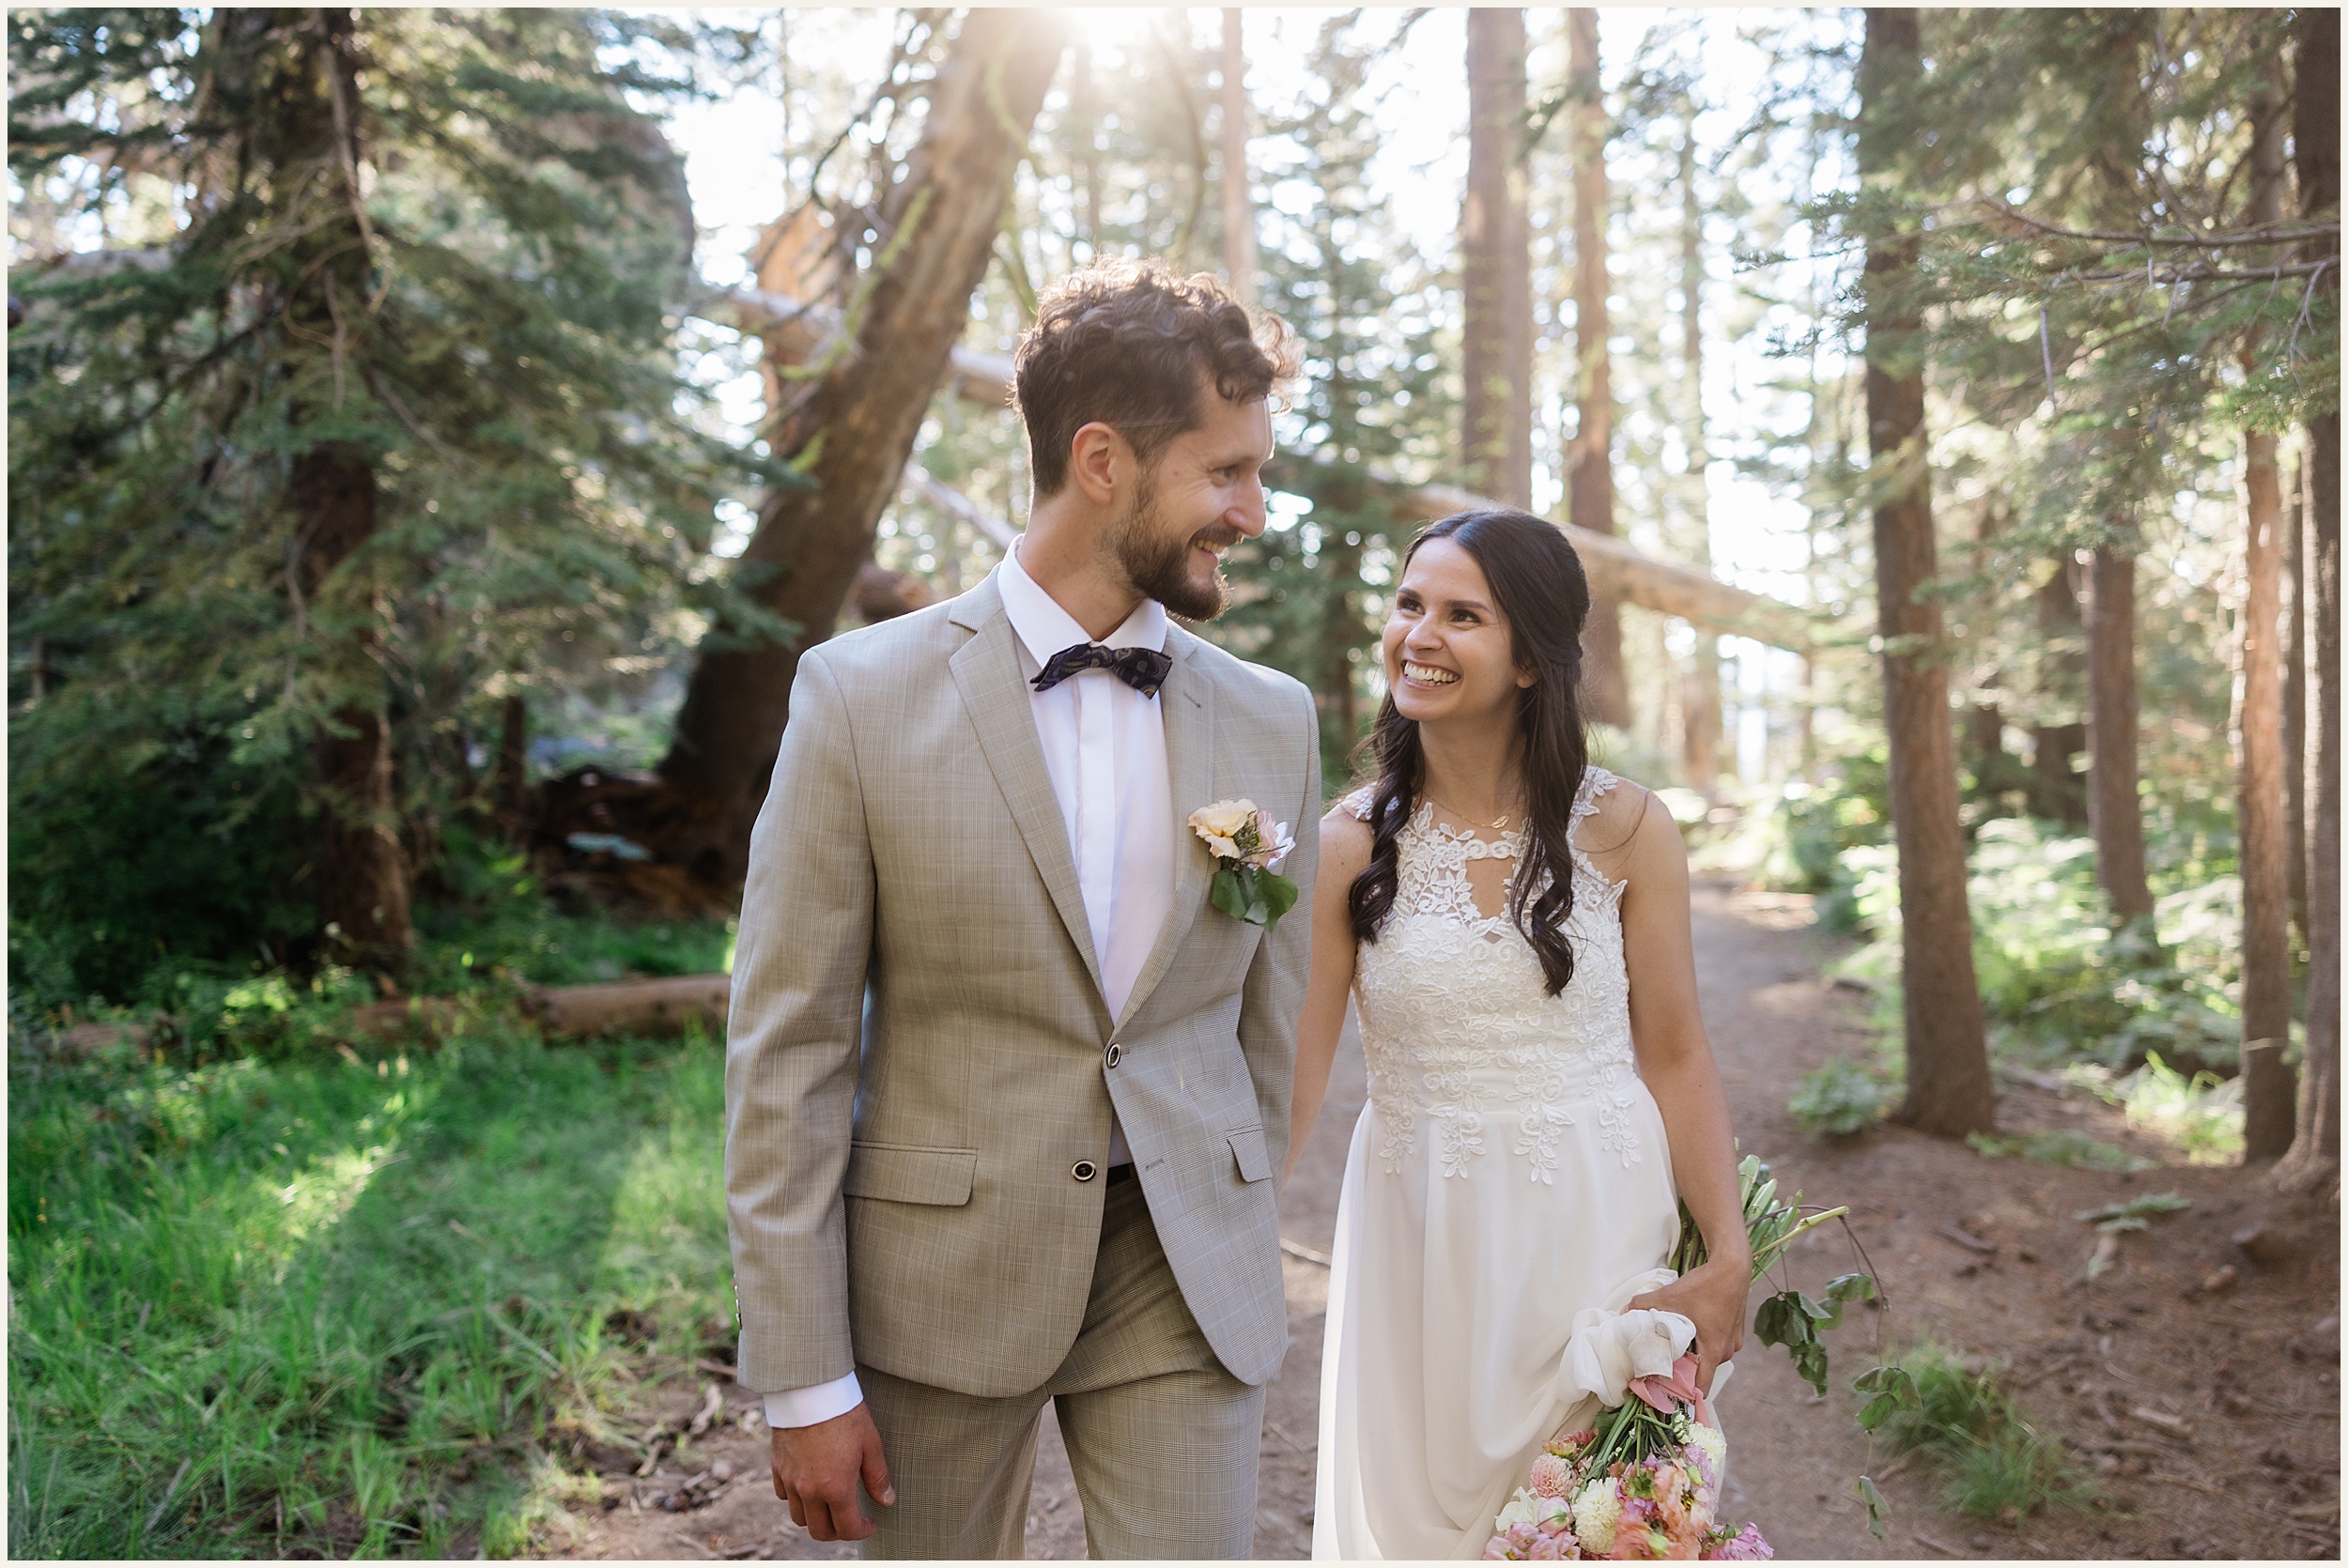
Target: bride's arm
{"x": 1676, "y": 1063}
{"x": 1344, "y": 851}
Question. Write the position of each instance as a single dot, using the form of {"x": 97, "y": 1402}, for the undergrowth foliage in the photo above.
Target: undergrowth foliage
{"x": 503, "y": 369}
{"x": 355, "y": 1308}
{"x": 1990, "y": 1461}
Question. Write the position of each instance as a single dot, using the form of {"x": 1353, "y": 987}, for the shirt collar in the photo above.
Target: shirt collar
{"x": 1044, "y": 628}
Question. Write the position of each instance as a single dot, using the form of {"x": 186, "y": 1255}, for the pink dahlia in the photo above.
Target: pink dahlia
{"x": 1746, "y": 1546}
{"x": 1552, "y": 1477}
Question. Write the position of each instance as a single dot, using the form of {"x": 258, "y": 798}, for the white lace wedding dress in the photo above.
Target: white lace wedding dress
{"x": 1509, "y": 1169}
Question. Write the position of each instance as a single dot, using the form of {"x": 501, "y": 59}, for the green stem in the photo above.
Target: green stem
{"x": 1764, "y": 1256}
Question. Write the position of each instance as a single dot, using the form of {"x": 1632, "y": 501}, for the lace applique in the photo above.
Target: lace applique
{"x": 1457, "y": 1021}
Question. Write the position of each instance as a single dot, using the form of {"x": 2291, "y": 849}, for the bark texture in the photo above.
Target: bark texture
{"x": 2268, "y": 1088}
{"x": 1949, "y": 1091}
{"x": 2295, "y": 703}
{"x": 853, "y": 436}
{"x": 2114, "y": 814}
{"x": 312, "y": 145}
{"x": 1239, "y": 204}
{"x": 1589, "y": 456}
{"x": 1700, "y": 699}
{"x": 1496, "y": 264}
{"x": 2314, "y": 1156}
{"x": 2059, "y": 794}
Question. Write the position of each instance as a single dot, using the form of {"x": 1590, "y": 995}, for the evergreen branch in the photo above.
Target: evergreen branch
{"x": 2269, "y": 236}
{"x": 2203, "y": 274}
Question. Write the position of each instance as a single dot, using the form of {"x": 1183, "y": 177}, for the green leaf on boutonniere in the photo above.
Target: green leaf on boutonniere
{"x": 1279, "y": 895}
{"x": 1249, "y": 893}
{"x": 1223, "y": 893}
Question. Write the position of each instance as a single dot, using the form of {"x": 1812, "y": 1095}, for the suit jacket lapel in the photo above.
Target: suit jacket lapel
{"x": 1187, "y": 704}
{"x": 986, "y": 670}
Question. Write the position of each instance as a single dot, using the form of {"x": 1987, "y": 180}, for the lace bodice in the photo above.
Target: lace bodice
{"x": 1464, "y": 1040}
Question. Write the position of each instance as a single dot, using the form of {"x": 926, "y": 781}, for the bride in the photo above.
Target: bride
{"x": 1514, "y": 923}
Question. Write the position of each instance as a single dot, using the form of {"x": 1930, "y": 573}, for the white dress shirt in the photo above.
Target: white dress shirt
{"x": 1104, "y": 747}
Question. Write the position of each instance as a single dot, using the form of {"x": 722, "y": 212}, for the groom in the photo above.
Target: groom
{"x": 1004, "y": 1092}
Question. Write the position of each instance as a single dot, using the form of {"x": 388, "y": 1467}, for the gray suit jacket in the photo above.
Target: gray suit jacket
{"x": 917, "y": 1057}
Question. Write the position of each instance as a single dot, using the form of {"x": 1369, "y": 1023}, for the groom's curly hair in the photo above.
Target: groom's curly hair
{"x": 1131, "y": 346}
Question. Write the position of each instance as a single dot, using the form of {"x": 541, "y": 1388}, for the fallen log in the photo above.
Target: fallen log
{"x": 1620, "y": 571}
{"x": 666, "y": 1004}
{"x": 1616, "y": 568}
{"x": 654, "y": 1006}
{"x": 801, "y": 327}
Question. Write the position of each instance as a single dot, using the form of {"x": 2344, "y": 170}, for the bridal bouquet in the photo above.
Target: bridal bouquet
{"x": 1644, "y": 1482}
{"x": 1588, "y": 1499}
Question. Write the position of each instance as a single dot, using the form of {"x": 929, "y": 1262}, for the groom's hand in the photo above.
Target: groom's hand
{"x": 817, "y": 1472}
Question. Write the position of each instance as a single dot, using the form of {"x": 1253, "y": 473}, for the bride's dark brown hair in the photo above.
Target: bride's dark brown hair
{"x": 1536, "y": 581}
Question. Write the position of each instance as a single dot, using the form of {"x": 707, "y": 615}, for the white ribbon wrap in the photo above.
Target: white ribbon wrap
{"x": 1611, "y": 1346}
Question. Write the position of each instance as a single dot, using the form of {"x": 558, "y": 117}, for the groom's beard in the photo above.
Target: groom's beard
{"x": 1160, "y": 567}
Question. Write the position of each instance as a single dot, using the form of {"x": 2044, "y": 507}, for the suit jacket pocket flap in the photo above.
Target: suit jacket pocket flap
{"x": 902, "y": 1175}
{"x": 1255, "y": 1163}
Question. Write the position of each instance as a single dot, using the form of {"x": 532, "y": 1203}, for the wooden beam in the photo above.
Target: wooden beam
{"x": 1620, "y": 570}
{"x": 980, "y": 378}
{"x": 1616, "y": 568}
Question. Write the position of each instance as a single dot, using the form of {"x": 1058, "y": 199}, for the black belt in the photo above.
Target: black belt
{"x": 1121, "y": 1173}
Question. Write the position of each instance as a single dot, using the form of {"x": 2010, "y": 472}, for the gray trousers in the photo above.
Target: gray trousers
{"x": 1163, "y": 1440}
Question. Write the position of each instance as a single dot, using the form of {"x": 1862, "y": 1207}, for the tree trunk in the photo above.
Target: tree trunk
{"x": 1589, "y": 458}
{"x": 1239, "y": 204}
{"x": 1949, "y": 1091}
{"x": 509, "y": 786}
{"x": 362, "y": 872}
{"x": 2114, "y": 815}
{"x": 1994, "y": 769}
{"x": 2295, "y": 703}
{"x": 1700, "y": 706}
{"x": 312, "y": 145}
{"x": 1084, "y": 119}
{"x": 1496, "y": 264}
{"x": 2267, "y": 1086}
{"x": 2060, "y": 794}
{"x": 2314, "y": 1155}
{"x": 852, "y": 437}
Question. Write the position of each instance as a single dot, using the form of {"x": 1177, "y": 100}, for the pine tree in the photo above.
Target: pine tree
{"x": 1590, "y": 459}
{"x": 1948, "y": 1064}
{"x": 931, "y": 237}
{"x": 1309, "y": 593}
{"x": 1496, "y": 265}
{"x": 369, "y": 408}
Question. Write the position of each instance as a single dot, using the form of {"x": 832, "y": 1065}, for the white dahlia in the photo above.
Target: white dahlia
{"x": 1595, "y": 1512}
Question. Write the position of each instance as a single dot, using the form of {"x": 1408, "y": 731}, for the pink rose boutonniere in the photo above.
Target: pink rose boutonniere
{"x": 1247, "y": 853}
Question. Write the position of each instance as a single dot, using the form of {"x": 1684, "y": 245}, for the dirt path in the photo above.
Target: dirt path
{"x": 2183, "y": 1404}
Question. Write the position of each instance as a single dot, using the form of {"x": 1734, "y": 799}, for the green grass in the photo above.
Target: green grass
{"x": 2067, "y": 1147}
{"x": 497, "y": 920}
{"x": 1842, "y": 1098}
{"x": 362, "y": 1301}
{"x": 1990, "y": 1461}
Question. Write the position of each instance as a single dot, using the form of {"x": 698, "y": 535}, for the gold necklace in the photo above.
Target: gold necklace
{"x": 1500, "y": 826}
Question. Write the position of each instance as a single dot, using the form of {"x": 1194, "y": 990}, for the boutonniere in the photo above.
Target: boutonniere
{"x": 1247, "y": 854}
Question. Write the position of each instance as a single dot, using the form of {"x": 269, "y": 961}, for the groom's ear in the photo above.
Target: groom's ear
{"x": 1100, "y": 463}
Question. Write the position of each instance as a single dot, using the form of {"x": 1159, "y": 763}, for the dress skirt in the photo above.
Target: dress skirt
{"x": 1454, "y": 1281}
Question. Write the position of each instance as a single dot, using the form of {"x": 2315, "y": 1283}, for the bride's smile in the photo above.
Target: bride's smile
{"x": 1448, "y": 649}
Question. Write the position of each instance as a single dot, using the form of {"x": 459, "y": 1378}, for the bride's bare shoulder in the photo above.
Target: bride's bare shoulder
{"x": 1345, "y": 834}
{"x": 1628, "y": 825}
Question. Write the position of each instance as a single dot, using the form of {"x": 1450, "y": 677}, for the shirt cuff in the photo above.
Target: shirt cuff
{"x": 807, "y": 1406}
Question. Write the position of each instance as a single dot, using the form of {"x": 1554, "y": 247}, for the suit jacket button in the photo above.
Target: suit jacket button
{"x": 1084, "y": 1170}
{"x": 1115, "y": 1053}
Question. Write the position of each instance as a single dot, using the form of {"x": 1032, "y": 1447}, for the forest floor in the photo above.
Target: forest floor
{"x": 2206, "y": 1422}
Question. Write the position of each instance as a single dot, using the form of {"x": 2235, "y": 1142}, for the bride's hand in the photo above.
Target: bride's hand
{"x": 1711, "y": 1297}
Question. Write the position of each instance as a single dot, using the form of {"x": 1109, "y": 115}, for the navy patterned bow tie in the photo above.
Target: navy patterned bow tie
{"x": 1142, "y": 669}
